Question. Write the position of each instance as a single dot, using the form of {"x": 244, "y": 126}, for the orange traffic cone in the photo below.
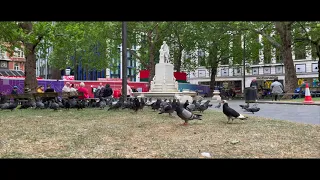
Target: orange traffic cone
{"x": 307, "y": 96}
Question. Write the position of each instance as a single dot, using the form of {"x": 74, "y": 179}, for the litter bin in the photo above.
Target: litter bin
{"x": 250, "y": 95}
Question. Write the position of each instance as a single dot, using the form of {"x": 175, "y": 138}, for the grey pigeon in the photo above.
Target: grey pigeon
{"x": 102, "y": 104}
{"x": 187, "y": 115}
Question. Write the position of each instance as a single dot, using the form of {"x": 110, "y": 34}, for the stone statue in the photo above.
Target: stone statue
{"x": 164, "y": 53}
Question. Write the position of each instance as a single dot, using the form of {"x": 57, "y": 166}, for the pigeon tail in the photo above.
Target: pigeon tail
{"x": 242, "y": 117}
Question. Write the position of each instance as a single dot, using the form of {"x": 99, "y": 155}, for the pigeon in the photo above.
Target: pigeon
{"x": 117, "y": 105}
{"x": 13, "y": 105}
{"x": 102, "y": 103}
{"x": 67, "y": 104}
{"x": 231, "y": 113}
{"x": 253, "y": 109}
{"x": 54, "y": 105}
{"x": 218, "y": 106}
{"x": 39, "y": 105}
{"x": 204, "y": 106}
{"x": 5, "y": 106}
{"x": 142, "y": 103}
{"x": 149, "y": 102}
{"x": 191, "y": 107}
{"x": 156, "y": 105}
{"x": 187, "y": 115}
{"x": 186, "y": 104}
{"x": 169, "y": 108}
{"x": 136, "y": 104}
{"x": 244, "y": 106}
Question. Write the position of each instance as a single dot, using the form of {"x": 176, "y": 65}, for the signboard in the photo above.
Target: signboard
{"x": 266, "y": 77}
{"x": 68, "y": 72}
{"x": 68, "y": 78}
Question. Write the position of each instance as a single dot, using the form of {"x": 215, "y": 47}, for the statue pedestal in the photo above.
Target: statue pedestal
{"x": 216, "y": 95}
{"x": 164, "y": 81}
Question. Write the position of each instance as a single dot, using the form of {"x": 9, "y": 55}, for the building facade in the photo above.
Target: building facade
{"x": 264, "y": 70}
{"x": 14, "y": 65}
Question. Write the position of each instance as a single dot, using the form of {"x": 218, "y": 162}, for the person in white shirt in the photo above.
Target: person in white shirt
{"x": 100, "y": 86}
{"x": 129, "y": 90}
{"x": 66, "y": 87}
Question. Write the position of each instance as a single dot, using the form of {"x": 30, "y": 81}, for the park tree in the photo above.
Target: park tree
{"x": 219, "y": 43}
{"x": 282, "y": 40}
{"x": 148, "y": 36}
{"x": 29, "y": 36}
{"x": 182, "y": 39}
{"x": 93, "y": 45}
{"x": 309, "y": 34}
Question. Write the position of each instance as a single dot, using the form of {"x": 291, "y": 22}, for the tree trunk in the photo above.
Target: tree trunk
{"x": 87, "y": 74}
{"x": 178, "y": 61}
{"x": 55, "y": 73}
{"x": 318, "y": 54}
{"x": 291, "y": 81}
{"x": 151, "y": 67}
{"x": 75, "y": 71}
{"x": 212, "y": 80}
{"x": 30, "y": 80}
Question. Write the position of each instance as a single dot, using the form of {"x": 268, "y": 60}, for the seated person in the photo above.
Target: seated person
{"x": 83, "y": 90}
{"x": 49, "y": 89}
{"x": 40, "y": 89}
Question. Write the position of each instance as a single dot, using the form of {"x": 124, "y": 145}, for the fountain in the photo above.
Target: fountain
{"x": 164, "y": 84}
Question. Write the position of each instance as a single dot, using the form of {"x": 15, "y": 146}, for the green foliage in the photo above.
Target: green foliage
{"x": 93, "y": 44}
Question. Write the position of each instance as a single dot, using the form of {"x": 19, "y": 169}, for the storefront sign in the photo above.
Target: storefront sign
{"x": 266, "y": 77}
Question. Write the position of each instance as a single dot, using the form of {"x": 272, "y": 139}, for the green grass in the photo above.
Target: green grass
{"x": 93, "y": 133}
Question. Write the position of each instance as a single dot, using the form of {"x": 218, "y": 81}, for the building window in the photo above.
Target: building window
{"x": 237, "y": 71}
{"x": 201, "y": 73}
{"x": 279, "y": 69}
{"x": 224, "y": 71}
{"x": 266, "y": 70}
{"x": 18, "y": 53}
{"x": 201, "y": 58}
{"x": 300, "y": 68}
{"x": 315, "y": 67}
{"x": 16, "y": 67}
{"x": 255, "y": 71}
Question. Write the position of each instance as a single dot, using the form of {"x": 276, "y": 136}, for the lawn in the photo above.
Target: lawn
{"x": 93, "y": 133}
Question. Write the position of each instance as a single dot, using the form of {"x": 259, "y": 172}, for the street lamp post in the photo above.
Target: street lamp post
{"x": 124, "y": 60}
{"x": 244, "y": 62}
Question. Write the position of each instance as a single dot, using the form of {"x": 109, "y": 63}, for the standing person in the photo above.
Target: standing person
{"x": 129, "y": 90}
{"x": 83, "y": 90}
{"x": 254, "y": 84}
{"x": 277, "y": 89}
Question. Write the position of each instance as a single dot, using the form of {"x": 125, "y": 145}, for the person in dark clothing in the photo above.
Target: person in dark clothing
{"x": 49, "y": 89}
{"x": 106, "y": 92}
{"x": 14, "y": 90}
{"x": 3, "y": 98}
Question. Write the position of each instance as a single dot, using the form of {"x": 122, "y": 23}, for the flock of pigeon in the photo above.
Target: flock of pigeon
{"x": 185, "y": 111}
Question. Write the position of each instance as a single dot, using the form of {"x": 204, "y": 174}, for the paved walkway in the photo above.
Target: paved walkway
{"x": 295, "y": 113}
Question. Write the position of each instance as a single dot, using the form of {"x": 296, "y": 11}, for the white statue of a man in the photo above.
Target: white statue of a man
{"x": 164, "y": 53}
